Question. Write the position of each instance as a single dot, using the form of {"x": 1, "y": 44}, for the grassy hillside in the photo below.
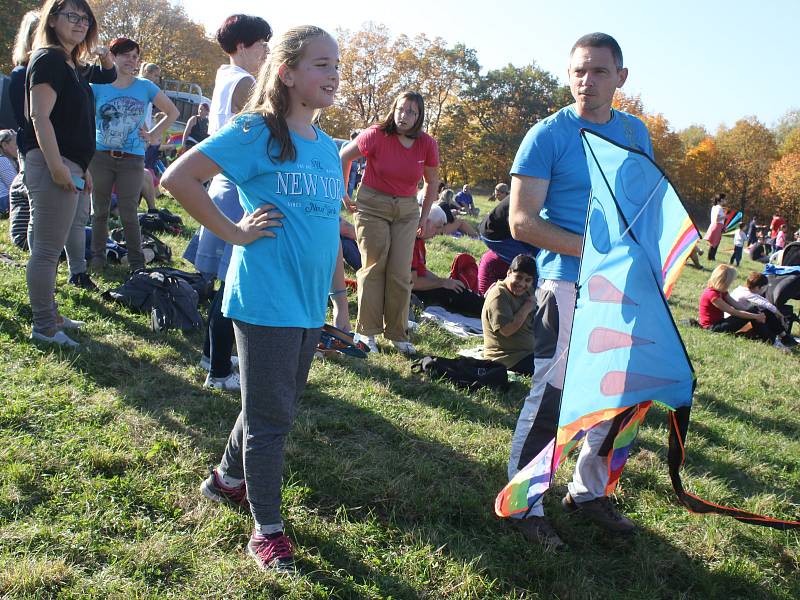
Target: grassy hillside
{"x": 390, "y": 480}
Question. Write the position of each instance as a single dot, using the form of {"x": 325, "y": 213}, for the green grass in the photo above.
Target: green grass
{"x": 389, "y": 482}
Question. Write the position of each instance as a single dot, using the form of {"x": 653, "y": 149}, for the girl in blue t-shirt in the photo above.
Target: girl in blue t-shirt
{"x": 289, "y": 176}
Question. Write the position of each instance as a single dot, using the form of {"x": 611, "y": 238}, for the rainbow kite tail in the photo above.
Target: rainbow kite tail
{"x": 623, "y": 441}
{"x": 527, "y": 486}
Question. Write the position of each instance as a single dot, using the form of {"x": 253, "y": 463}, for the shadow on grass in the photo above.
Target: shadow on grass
{"x": 420, "y": 490}
{"x": 711, "y": 462}
{"x": 460, "y": 404}
{"x": 350, "y": 456}
{"x": 720, "y": 408}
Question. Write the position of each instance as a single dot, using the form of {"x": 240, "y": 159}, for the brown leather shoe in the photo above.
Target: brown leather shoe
{"x": 539, "y": 530}
{"x": 601, "y": 511}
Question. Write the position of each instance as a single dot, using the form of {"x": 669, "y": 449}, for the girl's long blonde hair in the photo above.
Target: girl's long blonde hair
{"x": 721, "y": 278}
{"x": 24, "y": 39}
{"x": 270, "y": 97}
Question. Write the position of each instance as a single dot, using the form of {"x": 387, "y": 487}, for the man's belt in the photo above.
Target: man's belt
{"x": 120, "y": 154}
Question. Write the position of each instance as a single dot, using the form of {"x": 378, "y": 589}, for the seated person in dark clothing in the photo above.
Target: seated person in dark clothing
{"x": 350, "y": 251}
{"x": 507, "y": 317}
{"x": 496, "y": 234}
{"x": 431, "y": 289}
{"x": 760, "y": 250}
{"x": 465, "y": 203}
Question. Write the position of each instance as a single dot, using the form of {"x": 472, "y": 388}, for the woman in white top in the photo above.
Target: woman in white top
{"x": 717, "y": 224}
{"x": 244, "y": 39}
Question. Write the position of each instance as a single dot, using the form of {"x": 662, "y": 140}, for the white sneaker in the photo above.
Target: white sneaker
{"x": 231, "y": 383}
{"x": 60, "y": 338}
{"x": 413, "y": 325}
{"x": 369, "y": 340}
{"x": 205, "y": 363}
{"x": 406, "y": 348}
{"x": 781, "y": 346}
{"x": 67, "y": 323}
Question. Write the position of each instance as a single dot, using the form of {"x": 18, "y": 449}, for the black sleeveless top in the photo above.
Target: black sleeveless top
{"x": 200, "y": 130}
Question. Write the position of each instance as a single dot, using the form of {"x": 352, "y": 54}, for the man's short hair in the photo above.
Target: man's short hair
{"x": 121, "y": 45}
{"x": 600, "y": 40}
{"x": 523, "y": 263}
{"x": 242, "y": 29}
{"x": 756, "y": 280}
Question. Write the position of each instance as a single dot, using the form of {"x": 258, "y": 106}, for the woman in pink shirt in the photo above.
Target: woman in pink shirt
{"x": 780, "y": 239}
{"x": 387, "y": 216}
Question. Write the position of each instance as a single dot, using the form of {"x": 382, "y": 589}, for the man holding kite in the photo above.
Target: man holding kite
{"x": 550, "y": 193}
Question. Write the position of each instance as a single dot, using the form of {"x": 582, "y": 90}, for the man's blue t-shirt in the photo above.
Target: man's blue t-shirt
{"x": 120, "y": 113}
{"x": 282, "y": 281}
{"x": 553, "y": 150}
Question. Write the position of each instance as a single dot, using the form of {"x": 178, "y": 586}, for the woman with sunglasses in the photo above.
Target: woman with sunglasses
{"x": 58, "y": 144}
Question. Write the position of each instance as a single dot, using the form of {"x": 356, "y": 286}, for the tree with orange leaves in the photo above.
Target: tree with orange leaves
{"x": 784, "y": 181}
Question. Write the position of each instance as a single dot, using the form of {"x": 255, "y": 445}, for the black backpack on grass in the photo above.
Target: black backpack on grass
{"x": 161, "y": 220}
{"x": 204, "y": 286}
{"x": 170, "y": 300}
{"x": 161, "y": 252}
{"x": 464, "y": 371}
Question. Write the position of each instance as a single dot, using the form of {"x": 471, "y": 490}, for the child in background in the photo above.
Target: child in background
{"x": 739, "y": 238}
{"x": 715, "y": 301}
{"x": 507, "y": 317}
{"x": 751, "y": 295}
{"x": 780, "y": 238}
{"x": 278, "y": 280}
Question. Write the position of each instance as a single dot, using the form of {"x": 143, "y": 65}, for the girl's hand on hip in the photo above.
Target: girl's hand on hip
{"x": 258, "y": 224}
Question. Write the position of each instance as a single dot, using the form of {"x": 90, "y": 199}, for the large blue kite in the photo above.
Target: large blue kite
{"x": 625, "y": 351}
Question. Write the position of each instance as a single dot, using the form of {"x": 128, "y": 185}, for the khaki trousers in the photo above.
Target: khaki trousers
{"x": 386, "y": 227}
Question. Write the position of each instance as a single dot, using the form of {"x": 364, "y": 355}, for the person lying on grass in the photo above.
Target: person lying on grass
{"x": 431, "y": 289}
{"x": 507, "y": 317}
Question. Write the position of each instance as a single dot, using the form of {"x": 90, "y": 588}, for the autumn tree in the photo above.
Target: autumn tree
{"x": 789, "y": 121}
{"x": 167, "y": 37}
{"x": 692, "y": 136}
{"x": 13, "y": 11}
{"x": 700, "y": 177}
{"x": 367, "y": 78}
{"x": 375, "y": 68}
{"x": 668, "y": 149}
{"x": 748, "y": 150}
{"x": 485, "y": 130}
{"x": 784, "y": 181}
{"x": 791, "y": 143}
{"x": 437, "y": 72}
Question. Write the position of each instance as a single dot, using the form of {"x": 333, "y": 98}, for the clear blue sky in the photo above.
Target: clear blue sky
{"x": 709, "y": 62}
